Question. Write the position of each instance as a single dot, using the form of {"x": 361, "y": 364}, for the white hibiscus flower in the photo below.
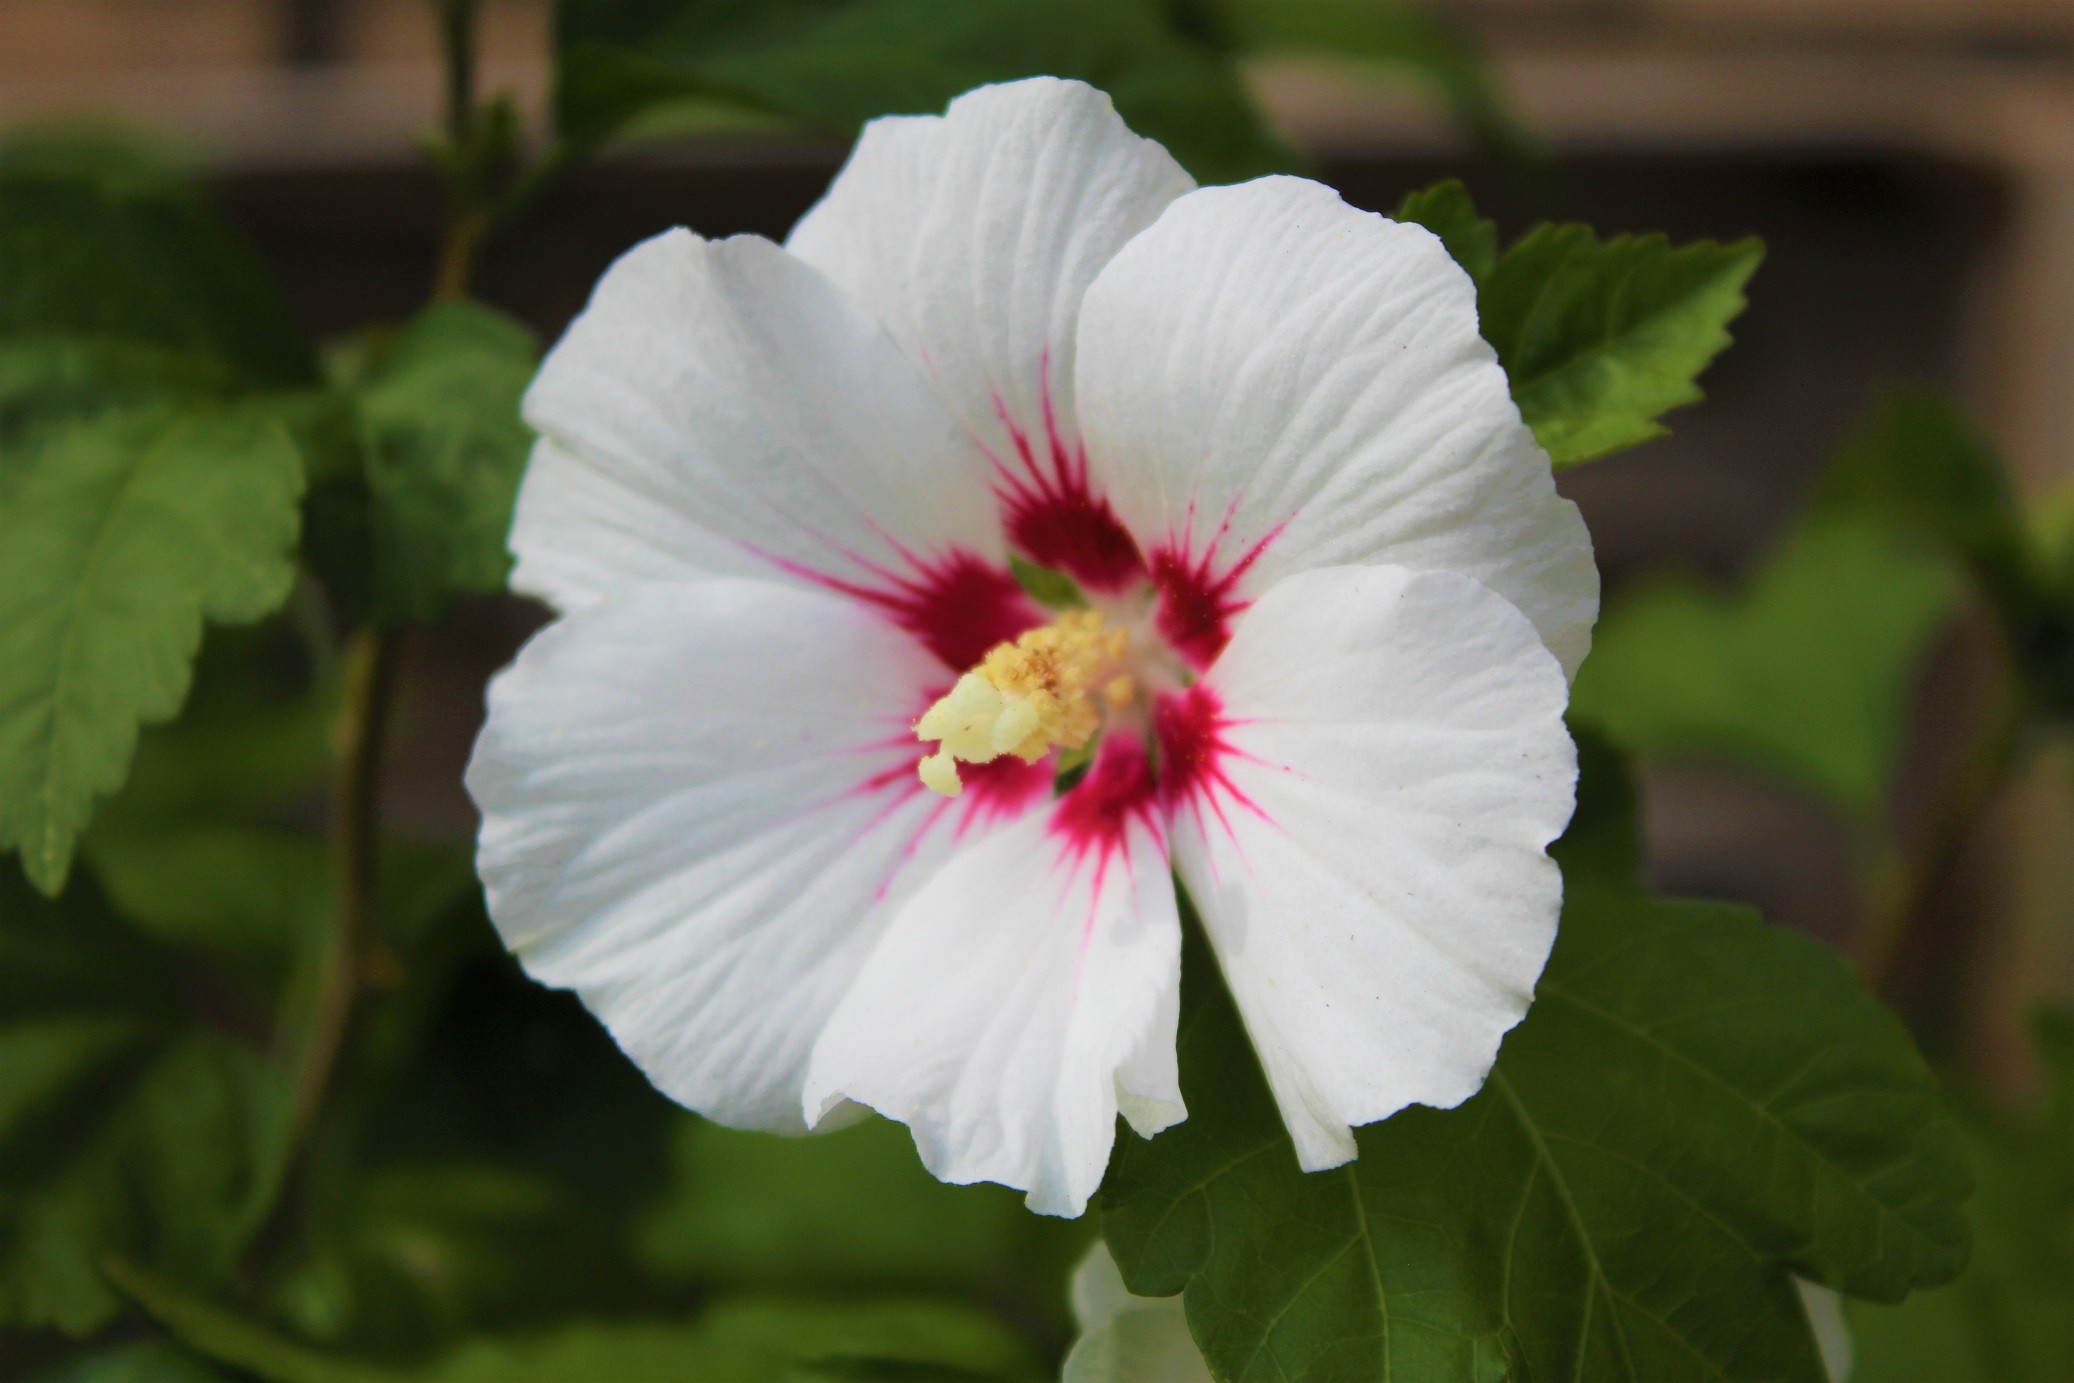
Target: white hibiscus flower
{"x": 1333, "y": 599}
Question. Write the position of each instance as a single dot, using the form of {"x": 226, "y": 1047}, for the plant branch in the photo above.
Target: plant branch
{"x": 1914, "y": 886}
{"x": 363, "y": 723}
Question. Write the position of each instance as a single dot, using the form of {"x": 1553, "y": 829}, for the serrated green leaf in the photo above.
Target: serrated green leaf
{"x": 106, "y": 251}
{"x": 1808, "y": 673}
{"x": 2007, "y": 1319}
{"x": 749, "y": 1340}
{"x": 1697, "y": 1107}
{"x": 1601, "y": 338}
{"x": 420, "y": 510}
{"x": 837, "y": 63}
{"x": 123, "y": 1127}
{"x": 123, "y": 534}
{"x": 1445, "y": 209}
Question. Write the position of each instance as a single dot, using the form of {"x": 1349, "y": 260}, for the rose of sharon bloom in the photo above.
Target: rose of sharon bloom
{"x": 1332, "y": 600}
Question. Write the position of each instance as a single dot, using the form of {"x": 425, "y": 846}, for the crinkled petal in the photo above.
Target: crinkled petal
{"x": 1363, "y": 789}
{"x": 699, "y": 809}
{"x": 721, "y": 408}
{"x": 1270, "y": 381}
{"x": 973, "y": 236}
{"x": 1024, "y": 996}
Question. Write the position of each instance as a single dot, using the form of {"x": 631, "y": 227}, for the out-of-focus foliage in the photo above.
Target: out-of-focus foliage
{"x": 410, "y": 503}
{"x": 128, "y": 1122}
{"x": 2010, "y": 1317}
{"x": 1600, "y": 338}
{"x": 1697, "y": 1108}
{"x": 1806, "y": 673}
{"x": 836, "y": 63}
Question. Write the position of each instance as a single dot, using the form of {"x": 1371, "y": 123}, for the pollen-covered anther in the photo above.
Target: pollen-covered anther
{"x": 1027, "y": 698}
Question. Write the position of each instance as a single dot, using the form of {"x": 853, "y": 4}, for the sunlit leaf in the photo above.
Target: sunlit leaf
{"x": 1603, "y": 337}
{"x": 118, "y": 538}
{"x": 1445, "y": 209}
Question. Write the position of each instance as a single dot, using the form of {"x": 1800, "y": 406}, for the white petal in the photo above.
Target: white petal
{"x": 579, "y": 535}
{"x": 1125, "y": 1338}
{"x": 1362, "y": 829}
{"x": 1024, "y": 996}
{"x": 722, "y": 407}
{"x": 1271, "y": 381}
{"x": 699, "y": 809}
{"x": 973, "y": 236}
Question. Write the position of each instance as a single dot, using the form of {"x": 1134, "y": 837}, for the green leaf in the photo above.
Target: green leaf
{"x": 2007, "y": 1318}
{"x": 838, "y": 63}
{"x": 1808, "y": 673}
{"x": 124, "y": 534}
{"x": 419, "y": 510}
{"x": 1696, "y": 1107}
{"x": 122, "y": 1125}
{"x": 1601, "y": 338}
{"x": 108, "y": 250}
{"x": 746, "y": 1340}
{"x": 1445, "y": 209}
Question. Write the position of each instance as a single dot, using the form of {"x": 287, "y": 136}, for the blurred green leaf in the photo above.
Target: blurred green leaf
{"x": 2010, "y": 1316}
{"x": 747, "y": 1340}
{"x": 123, "y": 1125}
{"x": 111, "y": 248}
{"x": 853, "y": 1208}
{"x": 1601, "y": 338}
{"x": 417, "y": 509}
{"x": 147, "y": 1363}
{"x": 1445, "y": 209}
{"x": 415, "y": 1256}
{"x": 1697, "y": 1107}
{"x": 834, "y": 64}
{"x": 119, "y": 538}
{"x": 1808, "y": 673}
{"x": 1918, "y": 463}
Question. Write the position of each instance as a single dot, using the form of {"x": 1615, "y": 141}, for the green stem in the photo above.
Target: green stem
{"x": 363, "y": 723}
{"x": 1912, "y": 888}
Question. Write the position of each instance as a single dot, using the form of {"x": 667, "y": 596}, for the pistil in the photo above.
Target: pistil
{"x": 1027, "y": 698}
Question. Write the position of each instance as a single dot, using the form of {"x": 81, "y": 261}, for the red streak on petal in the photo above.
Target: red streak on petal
{"x": 1052, "y": 512}
{"x": 1093, "y": 820}
{"x": 1197, "y": 602}
{"x": 1194, "y": 754}
{"x": 1000, "y": 791}
{"x": 959, "y": 606}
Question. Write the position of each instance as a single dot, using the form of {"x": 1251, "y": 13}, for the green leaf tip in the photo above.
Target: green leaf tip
{"x": 1446, "y": 210}
{"x": 1601, "y": 338}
